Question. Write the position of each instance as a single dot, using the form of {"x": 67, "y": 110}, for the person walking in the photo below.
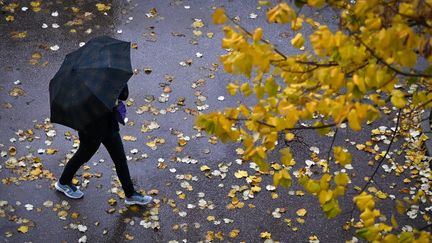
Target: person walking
{"x": 104, "y": 130}
{"x": 84, "y": 95}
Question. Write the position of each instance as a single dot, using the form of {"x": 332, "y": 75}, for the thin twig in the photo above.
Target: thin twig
{"x": 262, "y": 40}
{"x": 286, "y": 129}
{"x": 425, "y": 227}
{"x": 388, "y": 65}
{"x": 331, "y": 145}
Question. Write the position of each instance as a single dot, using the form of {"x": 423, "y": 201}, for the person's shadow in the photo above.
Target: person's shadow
{"x": 120, "y": 226}
{"x": 134, "y": 212}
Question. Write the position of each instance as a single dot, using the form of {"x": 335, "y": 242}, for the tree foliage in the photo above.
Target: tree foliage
{"x": 379, "y": 56}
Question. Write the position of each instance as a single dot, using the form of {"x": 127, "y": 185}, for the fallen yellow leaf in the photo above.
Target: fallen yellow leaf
{"x": 301, "y": 212}
{"x": 23, "y": 229}
{"x": 240, "y": 174}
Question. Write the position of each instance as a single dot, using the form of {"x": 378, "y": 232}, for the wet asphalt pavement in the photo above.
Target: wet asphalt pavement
{"x": 166, "y": 58}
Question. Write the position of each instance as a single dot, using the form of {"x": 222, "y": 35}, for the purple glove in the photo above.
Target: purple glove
{"x": 121, "y": 112}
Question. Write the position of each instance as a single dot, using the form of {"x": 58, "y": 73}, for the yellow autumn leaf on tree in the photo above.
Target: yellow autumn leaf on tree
{"x": 282, "y": 178}
{"x": 364, "y": 200}
{"x": 341, "y": 179}
{"x": 325, "y": 196}
{"x": 232, "y": 88}
{"x": 368, "y": 216}
{"x": 312, "y": 186}
{"x": 316, "y": 3}
{"x": 298, "y": 41}
{"x": 281, "y": 14}
{"x": 353, "y": 120}
{"x": 219, "y": 16}
{"x": 257, "y": 35}
{"x": 398, "y": 98}
{"x": 286, "y": 157}
{"x": 245, "y": 89}
{"x": 342, "y": 156}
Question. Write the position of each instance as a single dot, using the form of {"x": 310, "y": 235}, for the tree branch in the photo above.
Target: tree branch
{"x": 286, "y": 129}
{"x": 388, "y": 65}
{"x": 250, "y": 34}
{"x": 425, "y": 227}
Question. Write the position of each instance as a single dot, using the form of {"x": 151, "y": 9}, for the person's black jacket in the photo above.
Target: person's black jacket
{"x": 106, "y": 124}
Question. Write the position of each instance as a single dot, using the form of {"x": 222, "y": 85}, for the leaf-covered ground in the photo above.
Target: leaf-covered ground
{"x": 202, "y": 189}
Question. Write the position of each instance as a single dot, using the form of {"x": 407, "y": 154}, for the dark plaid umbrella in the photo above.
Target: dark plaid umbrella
{"x": 89, "y": 81}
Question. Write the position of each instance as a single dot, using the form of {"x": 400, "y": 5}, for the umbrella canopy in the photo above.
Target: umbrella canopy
{"x": 89, "y": 82}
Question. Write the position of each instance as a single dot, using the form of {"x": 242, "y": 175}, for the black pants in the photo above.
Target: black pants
{"x": 88, "y": 147}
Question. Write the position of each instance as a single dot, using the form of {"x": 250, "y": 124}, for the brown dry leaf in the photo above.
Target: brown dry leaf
{"x": 134, "y": 208}
{"x": 111, "y": 210}
{"x": 75, "y": 215}
{"x": 18, "y": 34}
{"x": 167, "y": 89}
{"x": 148, "y": 70}
{"x": 129, "y": 237}
{"x": 134, "y": 45}
{"x": 10, "y": 7}
{"x": 153, "y": 192}
{"x": 234, "y": 233}
{"x": 10, "y": 18}
{"x": 210, "y": 236}
{"x": 182, "y": 142}
{"x": 62, "y": 214}
{"x": 16, "y": 91}
{"x": 36, "y": 55}
{"x": 7, "y": 105}
{"x": 36, "y": 6}
{"x": 12, "y": 151}
{"x": 220, "y": 235}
